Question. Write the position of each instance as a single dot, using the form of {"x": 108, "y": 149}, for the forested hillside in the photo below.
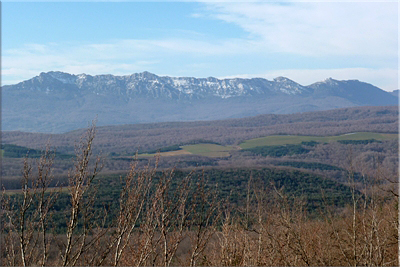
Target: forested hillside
{"x": 144, "y": 137}
{"x": 224, "y": 143}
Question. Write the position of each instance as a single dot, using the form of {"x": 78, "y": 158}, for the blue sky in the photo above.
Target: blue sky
{"x": 304, "y": 41}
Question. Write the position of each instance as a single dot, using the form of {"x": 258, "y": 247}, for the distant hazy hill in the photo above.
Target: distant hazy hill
{"x": 150, "y": 136}
{"x": 395, "y": 93}
{"x": 58, "y": 102}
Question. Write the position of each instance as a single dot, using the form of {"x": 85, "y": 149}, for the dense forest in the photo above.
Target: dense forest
{"x": 14, "y": 151}
{"x": 278, "y": 151}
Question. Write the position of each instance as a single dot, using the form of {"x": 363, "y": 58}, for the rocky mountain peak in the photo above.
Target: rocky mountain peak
{"x": 333, "y": 82}
{"x": 61, "y": 76}
{"x": 288, "y": 86}
{"x": 148, "y": 75}
{"x": 282, "y": 79}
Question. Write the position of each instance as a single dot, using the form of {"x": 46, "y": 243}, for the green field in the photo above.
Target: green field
{"x": 297, "y": 139}
{"x": 214, "y": 150}
{"x": 164, "y": 154}
{"x": 208, "y": 150}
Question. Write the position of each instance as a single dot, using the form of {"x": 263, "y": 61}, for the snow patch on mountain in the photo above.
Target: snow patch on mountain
{"x": 146, "y": 84}
{"x": 63, "y": 77}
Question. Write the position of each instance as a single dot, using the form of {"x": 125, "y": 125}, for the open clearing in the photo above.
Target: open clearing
{"x": 208, "y": 150}
{"x": 166, "y": 154}
{"x": 274, "y": 140}
{"x": 215, "y": 151}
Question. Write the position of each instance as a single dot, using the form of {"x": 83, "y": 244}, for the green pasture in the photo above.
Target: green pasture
{"x": 213, "y": 150}
{"x": 208, "y": 150}
{"x": 165, "y": 154}
{"x": 274, "y": 140}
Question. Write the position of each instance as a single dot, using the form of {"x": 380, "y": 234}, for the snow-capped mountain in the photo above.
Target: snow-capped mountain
{"x": 148, "y": 84}
{"x": 57, "y": 101}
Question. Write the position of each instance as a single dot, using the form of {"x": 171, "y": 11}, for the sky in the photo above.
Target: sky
{"x": 303, "y": 41}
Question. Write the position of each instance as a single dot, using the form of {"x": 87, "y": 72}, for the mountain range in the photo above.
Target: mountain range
{"x": 58, "y": 102}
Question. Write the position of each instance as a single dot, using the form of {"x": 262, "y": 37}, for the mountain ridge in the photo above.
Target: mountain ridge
{"x": 223, "y": 88}
{"x": 58, "y": 102}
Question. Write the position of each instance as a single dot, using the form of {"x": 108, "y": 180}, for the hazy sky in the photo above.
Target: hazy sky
{"x": 304, "y": 41}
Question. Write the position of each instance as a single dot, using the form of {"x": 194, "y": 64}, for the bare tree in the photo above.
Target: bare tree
{"x": 80, "y": 182}
{"x": 163, "y": 200}
{"x": 27, "y": 215}
{"x": 46, "y": 199}
{"x": 133, "y": 198}
{"x": 171, "y": 213}
{"x": 205, "y": 217}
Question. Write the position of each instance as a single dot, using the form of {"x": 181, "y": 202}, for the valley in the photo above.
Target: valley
{"x": 309, "y": 141}
{"x": 276, "y": 171}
